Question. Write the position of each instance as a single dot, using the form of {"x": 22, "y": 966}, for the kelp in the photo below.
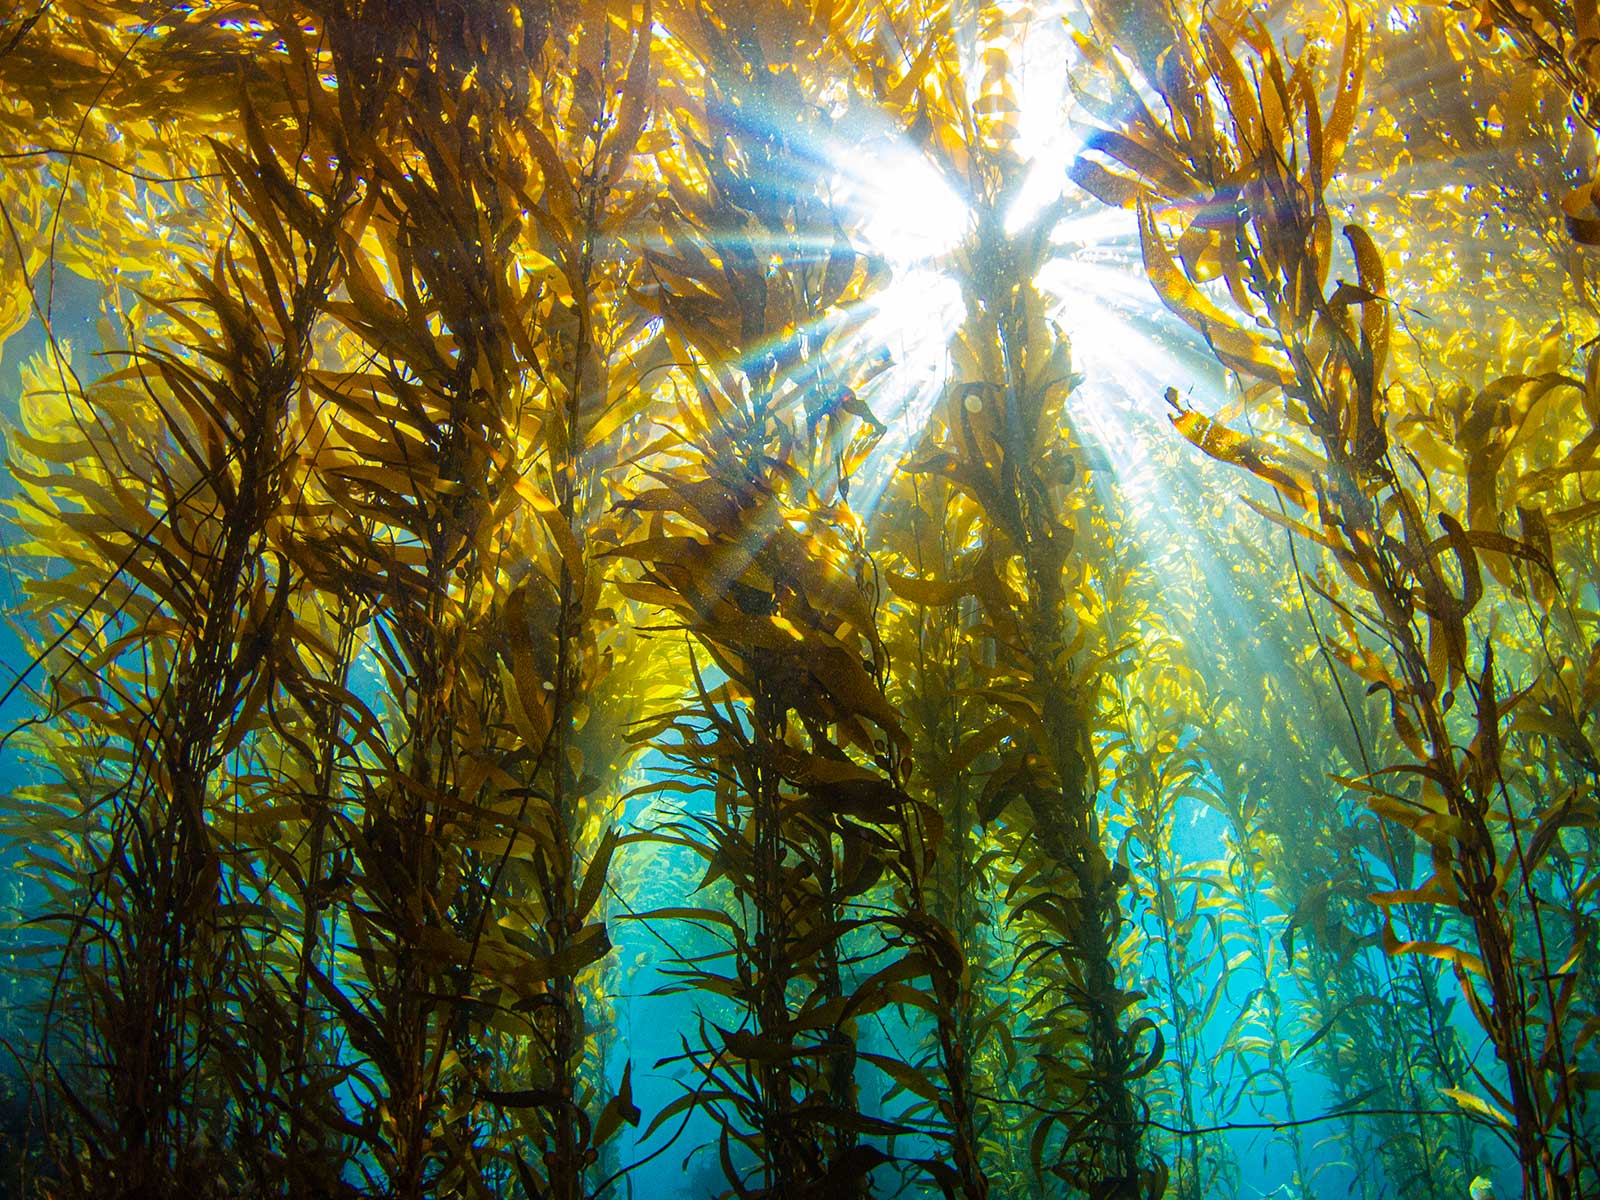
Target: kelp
{"x": 937, "y": 701}
{"x": 178, "y": 515}
{"x": 1153, "y": 775}
{"x": 749, "y": 544}
{"x": 1302, "y": 856}
{"x": 489, "y": 443}
{"x": 463, "y": 463}
{"x": 1002, "y": 439}
{"x": 1402, "y": 629}
{"x": 1323, "y": 932}
{"x": 401, "y": 513}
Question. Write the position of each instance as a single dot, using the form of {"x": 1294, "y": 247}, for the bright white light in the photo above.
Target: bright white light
{"x": 912, "y": 321}
{"x": 1042, "y": 186}
{"x": 909, "y": 214}
{"x": 1046, "y": 138}
{"x": 1097, "y": 303}
{"x": 914, "y": 318}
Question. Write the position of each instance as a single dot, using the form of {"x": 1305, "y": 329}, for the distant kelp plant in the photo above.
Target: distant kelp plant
{"x": 530, "y": 518}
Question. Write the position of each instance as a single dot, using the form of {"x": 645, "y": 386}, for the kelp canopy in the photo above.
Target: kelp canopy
{"x": 801, "y": 599}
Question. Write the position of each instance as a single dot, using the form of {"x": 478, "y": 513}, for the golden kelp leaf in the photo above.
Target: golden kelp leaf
{"x": 635, "y": 94}
{"x": 1477, "y": 1105}
{"x": 928, "y": 592}
{"x": 1153, "y": 1055}
{"x": 845, "y": 679}
{"x": 1238, "y": 92}
{"x": 1108, "y": 187}
{"x": 1454, "y": 955}
{"x": 1232, "y": 345}
{"x": 978, "y": 743}
{"x": 907, "y": 1077}
{"x": 1575, "y": 811}
{"x": 595, "y": 877}
{"x": 528, "y": 681}
{"x": 1295, "y": 481}
{"x": 1536, "y": 534}
{"x": 589, "y": 945}
{"x": 1375, "y": 312}
{"x": 1347, "y": 101}
{"x": 1461, "y": 544}
{"x": 561, "y": 532}
{"x": 1327, "y": 1026}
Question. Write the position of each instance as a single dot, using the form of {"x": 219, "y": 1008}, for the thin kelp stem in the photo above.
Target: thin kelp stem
{"x": 750, "y": 548}
{"x": 1004, "y": 439}
{"x": 220, "y": 587}
{"x": 1154, "y": 777}
{"x": 944, "y": 897}
{"x": 1199, "y": 1131}
{"x": 317, "y": 892}
{"x": 1404, "y": 617}
{"x": 1439, "y": 1037}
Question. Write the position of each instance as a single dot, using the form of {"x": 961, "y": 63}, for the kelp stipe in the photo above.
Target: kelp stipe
{"x": 464, "y": 460}
{"x": 1318, "y": 872}
{"x": 1290, "y": 896}
{"x": 1402, "y": 630}
{"x": 919, "y": 527}
{"x": 180, "y": 458}
{"x": 1002, "y": 437}
{"x": 1154, "y": 774}
{"x": 749, "y": 548}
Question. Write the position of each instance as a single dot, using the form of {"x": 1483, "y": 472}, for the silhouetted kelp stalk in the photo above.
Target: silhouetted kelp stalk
{"x": 752, "y": 548}
{"x": 939, "y": 878}
{"x": 744, "y": 550}
{"x": 208, "y": 420}
{"x": 594, "y": 349}
{"x": 1256, "y": 1038}
{"x": 406, "y": 464}
{"x": 1361, "y": 1011}
{"x": 1002, "y": 438}
{"x": 1273, "y": 245}
{"x": 1310, "y": 864}
{"x": 407, "y": 514}
{"x": 336, "y": 685}
{"x": 770, "y": 604}
{"x": 486, "y": 290}
{"x": 1156, "y": 774}
{"x": 1566, "y": 695}
{"x": 920, "y": 523}
{"x": 196, "y": 617}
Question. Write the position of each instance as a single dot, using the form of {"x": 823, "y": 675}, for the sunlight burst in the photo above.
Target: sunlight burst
{"x": 909, "y": 213}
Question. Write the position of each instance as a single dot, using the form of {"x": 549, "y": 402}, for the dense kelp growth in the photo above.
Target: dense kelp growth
{"x": 796, "y": 599}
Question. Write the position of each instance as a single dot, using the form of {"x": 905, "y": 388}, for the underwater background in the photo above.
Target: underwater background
{"x": 800, "y": 599}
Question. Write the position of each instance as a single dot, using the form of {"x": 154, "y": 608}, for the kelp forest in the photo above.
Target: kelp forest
{"x": 800, "y": 599}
